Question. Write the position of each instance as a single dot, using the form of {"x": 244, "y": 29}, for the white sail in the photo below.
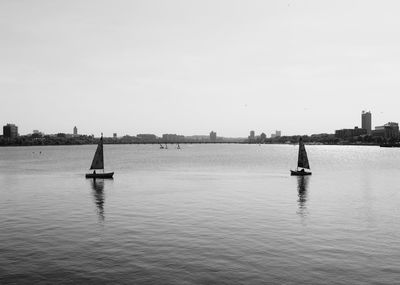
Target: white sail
{"x": 98, "y": 159}
{"x": 303, "y": 159}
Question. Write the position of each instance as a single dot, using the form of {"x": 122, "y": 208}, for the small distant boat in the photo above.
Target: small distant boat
{"x": 390, "y": 145}
{"x": 98, "y": 163}
{"x": 302, "y": 162}
{"x": 178, "y": 147}
{"x": 161, "y": 146}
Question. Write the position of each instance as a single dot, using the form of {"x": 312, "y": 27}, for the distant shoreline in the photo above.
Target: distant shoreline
{"x": 186, "y": 143}
{"x": 321, "y": 139}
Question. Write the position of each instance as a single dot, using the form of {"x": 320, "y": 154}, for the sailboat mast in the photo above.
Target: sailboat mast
{"x": 102, "y": 151}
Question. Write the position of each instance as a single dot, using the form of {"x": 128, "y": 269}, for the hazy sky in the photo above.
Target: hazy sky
{"x": 189, "y": 67}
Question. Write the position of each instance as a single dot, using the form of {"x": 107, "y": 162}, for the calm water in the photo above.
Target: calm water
{"x": 206, "y": 214}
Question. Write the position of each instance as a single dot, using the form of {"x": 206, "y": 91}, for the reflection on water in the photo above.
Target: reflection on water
{"x": 302, "y": 186}
{"x": 98, "y": 194}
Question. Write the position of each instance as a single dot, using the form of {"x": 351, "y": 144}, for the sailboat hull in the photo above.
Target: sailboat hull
{"x": 106, "y": 175}
{"x": 299, "y": 173}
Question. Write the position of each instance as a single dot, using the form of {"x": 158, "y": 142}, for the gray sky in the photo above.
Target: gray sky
{"x": 190, "y": 67}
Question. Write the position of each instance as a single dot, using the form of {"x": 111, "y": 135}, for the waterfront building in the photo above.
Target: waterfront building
{"x": 198, "y": 138}
{"x": 350, "y": 133}
{"x": 252, "y": 136}
{"x": 147, "y": 137}
{"x": 173, "y": 138}
{"x": 10, "y": 131}
{"x": 129, "y": 139}
{"x": 366, "y": 121}
{"x": 387, "y": 131}
{"x": 75, "y": 131}
{"x": 278, "y": 134}
{"x": 213, "y": 136}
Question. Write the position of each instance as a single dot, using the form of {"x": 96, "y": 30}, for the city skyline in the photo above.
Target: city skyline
{"x": 365, "y": 124}
{"x": 191, "y": 67}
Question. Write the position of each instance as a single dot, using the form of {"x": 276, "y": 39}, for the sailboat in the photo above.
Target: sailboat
{"x": 98, "y": 163}
{"x": 161, "y": 146}
{"x": 178, "y": 147}
{"x": 302, "y": 161}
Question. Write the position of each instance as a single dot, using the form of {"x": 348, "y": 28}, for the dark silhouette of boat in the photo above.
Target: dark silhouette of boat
{"x": 390, "y": 145}
{"x": 302, "y": 161}
{"x": 98, "y": 163}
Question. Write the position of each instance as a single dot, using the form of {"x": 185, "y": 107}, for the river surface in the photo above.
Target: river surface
{"x": 205, "y": 214}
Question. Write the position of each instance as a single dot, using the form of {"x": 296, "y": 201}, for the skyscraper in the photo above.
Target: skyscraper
{"x": 75, "y": 131}
{"x": 252, "y": 137}
{"x": 213, "y": 136}
{"x": 10, "y": 131}
{"x": 366, "y": 121}
{"x": 252, "y": 134}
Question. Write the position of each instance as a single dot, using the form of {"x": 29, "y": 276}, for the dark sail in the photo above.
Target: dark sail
{"x": 98, "y": 159}
{"x": 303, "y": 159}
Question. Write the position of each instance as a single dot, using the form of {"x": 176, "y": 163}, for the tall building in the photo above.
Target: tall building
{"x": 278, "y": 134}
{"x": 213, "y": 136}
{"x": 10, "y": 131}
{"x": 75, "y": 131}
{"x": 366, "y": 121}
{"x": 252, "y": 136}
{"x": 114, "y": 135}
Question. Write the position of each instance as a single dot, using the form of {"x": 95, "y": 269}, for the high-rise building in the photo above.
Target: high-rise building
{"x": 366, "y": 121}
{"x": 252, "y": 137}
{"x": 213, "y": 136}
{"x": 278, "y": 134}
{"x": 75, "y": 131}
{"x": 10, "y": 131}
